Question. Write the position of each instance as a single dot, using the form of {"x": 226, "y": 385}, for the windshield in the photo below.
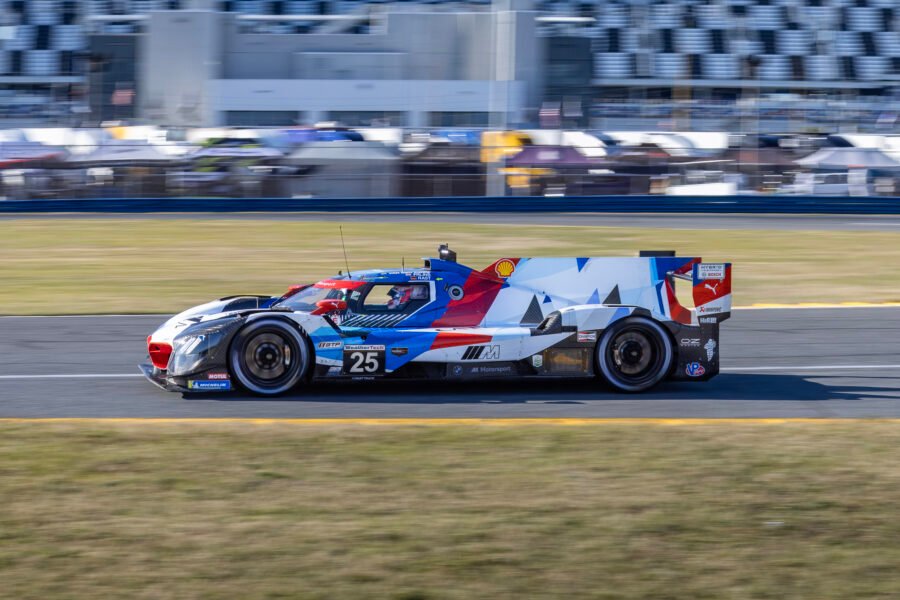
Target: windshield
{"x": 305, "y": 300}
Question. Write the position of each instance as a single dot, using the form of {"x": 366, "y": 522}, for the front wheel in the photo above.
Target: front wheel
{"x": 635, "y": 354}
{"x": 269, "y": 357}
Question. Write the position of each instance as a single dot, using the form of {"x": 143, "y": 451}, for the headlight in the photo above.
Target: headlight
{"x": 199, "y": 345}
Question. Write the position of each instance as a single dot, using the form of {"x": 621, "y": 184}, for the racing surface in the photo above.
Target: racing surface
{"x": 668, "y": 221}
{"x": 776, "y": 363}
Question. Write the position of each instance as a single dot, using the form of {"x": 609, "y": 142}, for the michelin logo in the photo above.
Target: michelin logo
{"x": 710, "y": 348}
{"x": 220, "y": 385}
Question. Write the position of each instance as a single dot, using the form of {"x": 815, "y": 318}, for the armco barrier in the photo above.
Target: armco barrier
{"x": 596, "y": 204}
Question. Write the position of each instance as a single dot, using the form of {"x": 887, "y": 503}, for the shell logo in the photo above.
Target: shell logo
{"x": 505, "y": 267}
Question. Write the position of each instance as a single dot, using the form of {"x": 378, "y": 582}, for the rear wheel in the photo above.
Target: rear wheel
{"x": 635, "y": 354}
{"x": 269, "y": 357}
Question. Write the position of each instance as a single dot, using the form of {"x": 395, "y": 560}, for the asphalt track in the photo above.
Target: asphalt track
{"x": 777, "y": 363}
{"x": 645, "y": 220}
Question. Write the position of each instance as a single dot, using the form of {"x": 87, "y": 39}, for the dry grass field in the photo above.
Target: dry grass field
{"x": 618, "y": 511}
{"x": 54, "y": 266}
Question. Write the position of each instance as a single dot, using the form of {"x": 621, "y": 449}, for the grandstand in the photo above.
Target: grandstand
{"x": 663, "y": 50}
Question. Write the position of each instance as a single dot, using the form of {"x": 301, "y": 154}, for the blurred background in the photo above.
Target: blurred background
{"x": 387, "y": 491}
{"x": 364, "y": 98}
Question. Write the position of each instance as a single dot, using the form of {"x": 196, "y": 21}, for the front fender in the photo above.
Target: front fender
{"x": 166, "y": 332}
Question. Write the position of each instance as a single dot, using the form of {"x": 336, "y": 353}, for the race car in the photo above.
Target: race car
{"x": 615, "y": 319}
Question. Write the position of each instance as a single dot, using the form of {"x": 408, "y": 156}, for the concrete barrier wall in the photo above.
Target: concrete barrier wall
{"x": 595, "y": 204}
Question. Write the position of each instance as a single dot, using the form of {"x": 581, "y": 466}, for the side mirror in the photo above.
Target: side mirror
{"x": 323, "y": 307}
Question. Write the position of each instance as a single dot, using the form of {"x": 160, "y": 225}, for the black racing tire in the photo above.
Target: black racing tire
{"x": 635, "y": 354}
{"x": 269, "y": 357}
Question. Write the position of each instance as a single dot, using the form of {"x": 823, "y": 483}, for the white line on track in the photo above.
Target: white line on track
{"x": 723, "y": 370}
{"x": 810, "y": 368}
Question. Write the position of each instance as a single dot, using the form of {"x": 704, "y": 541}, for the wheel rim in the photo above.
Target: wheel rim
{"x": 636, "y": 357}
{"x": 268, "y": 356}
{"x": 269, "y": 361}
{"x": 632, "y": 353}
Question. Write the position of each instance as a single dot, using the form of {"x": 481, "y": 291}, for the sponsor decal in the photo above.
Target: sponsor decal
{"x": 711, "y": 271}
{"x": 505, "y": 267}
{"x": 209, "y": 385}
{"x": 712, "y": 288}
{"x": 586, "y": 336}
{"x": 537, "y": 361}
{"x": 217, "y": 376}
{"x": 329, "y": 345}
{"x": 420, "y": 276}
{"x": 690, "y": 342}
{"x": 709, "y": 310}
{"x": 399, "y": 351}
{"x": 363, "y": 359}
{"x": 481, "y": 370}
{"x": 694, "y": 369}
{"x": 710, "y": 348}
{"x": 481, "y": 353}
{"x": 339, "y": 283}
{"x": 708, "y": 320}
{"x": 491, "y": 370}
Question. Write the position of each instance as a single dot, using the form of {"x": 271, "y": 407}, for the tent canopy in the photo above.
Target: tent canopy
{"x": 24, "y": 154}
{"x": 254, "y": 152}
{"x": 553, "y": 156}
{"x": 319, "y": 153}
{"x": 447, "y": 153}
{"x": 122, "y": 153}
{"x": 764, "y": 155}
{"x": 849, "y": 158}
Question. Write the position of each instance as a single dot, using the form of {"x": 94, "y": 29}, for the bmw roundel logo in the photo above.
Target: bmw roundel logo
{"x": 455, "y": 292}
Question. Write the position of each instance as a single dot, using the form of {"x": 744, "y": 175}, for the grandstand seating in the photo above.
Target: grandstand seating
{"x": 817, "y": 41}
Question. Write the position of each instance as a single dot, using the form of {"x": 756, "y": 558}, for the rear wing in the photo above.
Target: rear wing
{"x": 710, "y": 288}
{"x": 712, "y": 291}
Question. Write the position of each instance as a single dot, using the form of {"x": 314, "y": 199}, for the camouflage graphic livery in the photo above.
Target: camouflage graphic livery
{"x": 618, "y": 319}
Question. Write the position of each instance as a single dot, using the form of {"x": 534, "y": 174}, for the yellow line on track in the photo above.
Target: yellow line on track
{"x": 446, "y": 421}
{"x": 762, "y": 306}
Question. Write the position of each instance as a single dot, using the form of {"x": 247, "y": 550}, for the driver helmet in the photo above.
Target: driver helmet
{"x": 400, "y": 296}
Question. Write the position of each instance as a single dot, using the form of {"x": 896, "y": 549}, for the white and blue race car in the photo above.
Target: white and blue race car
{"x": 617, "y": 319}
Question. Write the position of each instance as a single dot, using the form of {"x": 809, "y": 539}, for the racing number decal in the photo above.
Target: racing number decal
{"x": 364, "y": 360}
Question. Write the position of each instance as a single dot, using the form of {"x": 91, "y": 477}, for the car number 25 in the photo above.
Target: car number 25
{"x": 364, "y": 360}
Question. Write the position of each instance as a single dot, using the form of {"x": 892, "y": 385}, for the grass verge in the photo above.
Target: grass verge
{"x": 719, "y": 511}
{"x": 135, "y": 265}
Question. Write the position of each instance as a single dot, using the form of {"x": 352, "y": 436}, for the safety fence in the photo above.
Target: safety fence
{"x": 520, "y": 204}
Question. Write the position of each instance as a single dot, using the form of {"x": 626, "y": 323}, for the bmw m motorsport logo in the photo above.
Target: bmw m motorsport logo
{"x": 482, "y": 353}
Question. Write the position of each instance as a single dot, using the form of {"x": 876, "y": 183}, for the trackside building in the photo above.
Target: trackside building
{"x": 418, "y": 69}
